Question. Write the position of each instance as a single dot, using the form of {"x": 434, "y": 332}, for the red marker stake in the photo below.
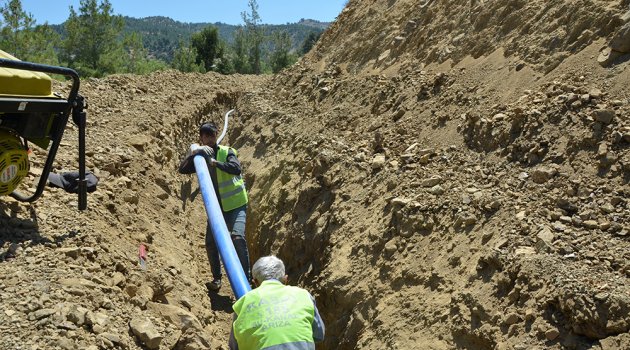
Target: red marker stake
{"x": 142, "y": 255}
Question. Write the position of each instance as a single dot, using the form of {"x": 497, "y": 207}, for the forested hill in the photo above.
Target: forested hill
{"x": 161, "y": 35}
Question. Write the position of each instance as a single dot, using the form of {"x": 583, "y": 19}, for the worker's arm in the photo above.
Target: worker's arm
{"x": 233, "y": 344}
{"x": 187, "y": 166}
{"x": 231, "y": 165}
{"x": 319, "y": 329}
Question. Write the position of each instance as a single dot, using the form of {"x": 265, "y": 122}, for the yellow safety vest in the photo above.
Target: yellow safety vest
{"x": 274, "y": 315}
{"x": 231, "y": 187}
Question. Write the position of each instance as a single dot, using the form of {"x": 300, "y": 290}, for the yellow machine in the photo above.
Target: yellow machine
{"x": 31, "y": 113}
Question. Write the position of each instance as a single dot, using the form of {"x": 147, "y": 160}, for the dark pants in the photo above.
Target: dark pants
{"x": 235, "y": 222}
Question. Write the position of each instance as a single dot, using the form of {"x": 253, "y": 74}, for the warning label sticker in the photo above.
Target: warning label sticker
{"x": 9, "y": 173}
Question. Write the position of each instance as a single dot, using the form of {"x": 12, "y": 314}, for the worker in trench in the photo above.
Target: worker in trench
{"x": 225, "y": 172}
{"x": 275, "y": 315}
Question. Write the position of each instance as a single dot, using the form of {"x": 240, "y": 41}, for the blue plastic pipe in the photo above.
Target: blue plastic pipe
{"x": 232, "y": 265}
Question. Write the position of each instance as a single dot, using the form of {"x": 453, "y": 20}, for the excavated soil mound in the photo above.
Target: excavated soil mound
{"x": 439, "y": 174}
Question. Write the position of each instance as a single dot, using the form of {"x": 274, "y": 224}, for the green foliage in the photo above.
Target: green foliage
{"x": 134, "y": 52}
{"x": 280, "y": 56}
{"x": 42, "y": 46}
{"x": 161, "y": 36}
{"x": 254, "y": 36}
{"x": 16, "y": 24}
{"x": 21, "y": 37}
{"x": 95, "y": 42}
{"x": 91, "y": 45}
{"x": 208, "y": 47}
{"x": 223, "y": 64}
{"x": 309, "y": 42}
{"x": 135, "y": 57}
{"x": 151, "y": 65}
{"x": 185, "y": 59}
{"x": 240, "y": 53}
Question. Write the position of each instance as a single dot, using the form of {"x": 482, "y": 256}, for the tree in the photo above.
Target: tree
{"x": 135, "y": 53}
{"x": 43, "y": 44}
{"x": 21, "y": 37}
{"x": 280, "y": 56}
{"x": 92, "y": 45}
{"x": 240, "y": 60}
{"x": 255, "y": 35}
{"x": 309, "y": 42}
{"x": 223, "y": 63}
{"x": 185, "y": 59}
{"x": 14, "y": 32}
{"x": 208, "y": 46}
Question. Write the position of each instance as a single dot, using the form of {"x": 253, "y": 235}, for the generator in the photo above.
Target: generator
{"x": 32, "y": 114}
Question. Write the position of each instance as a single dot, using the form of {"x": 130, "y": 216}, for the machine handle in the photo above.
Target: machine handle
{"x": 75, "y": 101}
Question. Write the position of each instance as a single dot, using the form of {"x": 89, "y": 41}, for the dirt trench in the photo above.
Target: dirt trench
{"x": 71, "y": 279}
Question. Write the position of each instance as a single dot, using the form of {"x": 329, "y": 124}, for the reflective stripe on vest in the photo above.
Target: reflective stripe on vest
{"x": 301, "y": 345}
{"x": 274, "y": 316}
{"x": 231, "y": 187}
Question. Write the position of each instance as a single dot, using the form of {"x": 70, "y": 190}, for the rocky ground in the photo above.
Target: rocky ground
{"x": 72, "y": 280}
{"x": 439, "y": 175}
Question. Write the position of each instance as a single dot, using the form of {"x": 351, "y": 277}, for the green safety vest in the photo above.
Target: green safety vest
{"x": 231, "y": 187}
{"x": 274, "y": 314}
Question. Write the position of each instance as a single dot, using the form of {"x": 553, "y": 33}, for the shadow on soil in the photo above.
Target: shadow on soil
{"x": 19, "y": 226}
{"x": 220, "y": 302}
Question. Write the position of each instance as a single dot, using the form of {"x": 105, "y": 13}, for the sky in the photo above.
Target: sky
{"x": 195, "y": 11}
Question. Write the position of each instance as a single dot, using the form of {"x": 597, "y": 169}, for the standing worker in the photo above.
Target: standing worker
{"x": 274, "y": 315}
{"x": 225, "y": 172}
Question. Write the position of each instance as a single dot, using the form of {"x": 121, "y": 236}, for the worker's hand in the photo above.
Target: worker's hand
{"x": 213, "y": 162}
{"x": 208, "y": 151}
{"x": 205, "y": 151}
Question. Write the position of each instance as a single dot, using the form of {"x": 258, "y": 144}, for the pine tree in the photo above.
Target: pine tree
{"x": 281, "y": 56}
{"x": 208, "y": 46}
{"x": 14, "y": 31}
{"x": 309, "y": 42}
{"x": 240, "y": 60}
{"x": 185, "y": 59}
{"x": 135, "y": 53}
{"x": 22, "y": 38}
{"x": 92, "y": 46}
{"x": 223, "y": 63}
{"x": 254, "y": 35}
{"x": 43, "y": 44}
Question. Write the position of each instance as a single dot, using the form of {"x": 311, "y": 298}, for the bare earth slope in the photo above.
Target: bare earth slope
{"x": 440, "y": 174}
{"x": 453, "y": 175}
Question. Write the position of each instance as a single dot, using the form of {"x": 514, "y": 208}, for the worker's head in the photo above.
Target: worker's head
{"x": 208, "y": 134}
{"x": 267, "y": 268}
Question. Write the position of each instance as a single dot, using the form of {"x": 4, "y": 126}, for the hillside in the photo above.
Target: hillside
{"x": 161, "y": 35}
{"x": 440, "y": 175}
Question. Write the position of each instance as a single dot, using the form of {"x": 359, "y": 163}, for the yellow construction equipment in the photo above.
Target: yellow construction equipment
{"x": 31, "y": 113}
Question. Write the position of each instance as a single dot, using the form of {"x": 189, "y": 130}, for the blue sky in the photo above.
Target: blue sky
{"x": 195, "y": 11}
